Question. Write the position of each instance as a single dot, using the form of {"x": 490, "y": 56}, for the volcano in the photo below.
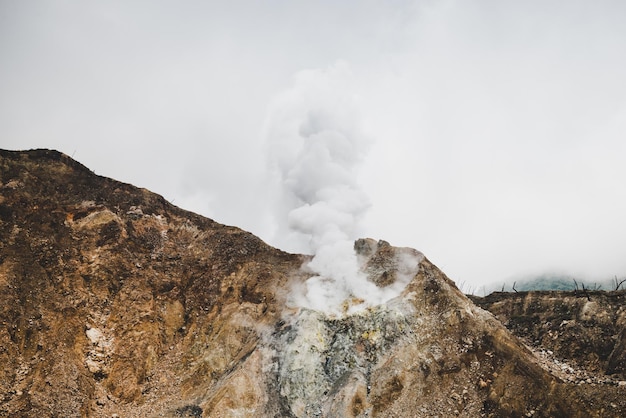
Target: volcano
{"x": 116, "y": 303}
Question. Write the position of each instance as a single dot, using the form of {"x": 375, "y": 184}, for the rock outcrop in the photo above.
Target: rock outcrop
{"x": 113, "y": 302}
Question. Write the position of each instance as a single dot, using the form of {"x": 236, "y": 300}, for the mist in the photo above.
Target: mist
{"x": 487, "y": 135}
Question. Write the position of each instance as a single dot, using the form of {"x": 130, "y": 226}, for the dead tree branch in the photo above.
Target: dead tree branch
{"x": 585, "y": 292}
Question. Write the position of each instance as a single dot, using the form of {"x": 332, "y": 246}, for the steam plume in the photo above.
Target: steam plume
{"x": 316, "y": 146}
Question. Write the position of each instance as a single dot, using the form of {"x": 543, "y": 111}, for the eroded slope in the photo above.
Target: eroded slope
{"x": 113, "y": 301}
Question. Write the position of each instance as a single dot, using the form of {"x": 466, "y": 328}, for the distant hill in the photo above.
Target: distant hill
{"x": 552, "y": 282}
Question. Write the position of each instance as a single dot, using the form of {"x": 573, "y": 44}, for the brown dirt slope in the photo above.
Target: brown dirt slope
{"x": 80, "y": 252}
{"x": 580, "y": 336}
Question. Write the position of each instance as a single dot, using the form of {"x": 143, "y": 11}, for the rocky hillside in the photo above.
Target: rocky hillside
{"x": 114, "y": 302}
{"x": 586, "y": 329}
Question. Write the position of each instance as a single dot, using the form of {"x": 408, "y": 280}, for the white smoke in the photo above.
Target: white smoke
{"x": 316, "y": 146}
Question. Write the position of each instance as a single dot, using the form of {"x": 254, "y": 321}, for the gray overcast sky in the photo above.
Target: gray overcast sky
{"x": 495, "y": 129}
